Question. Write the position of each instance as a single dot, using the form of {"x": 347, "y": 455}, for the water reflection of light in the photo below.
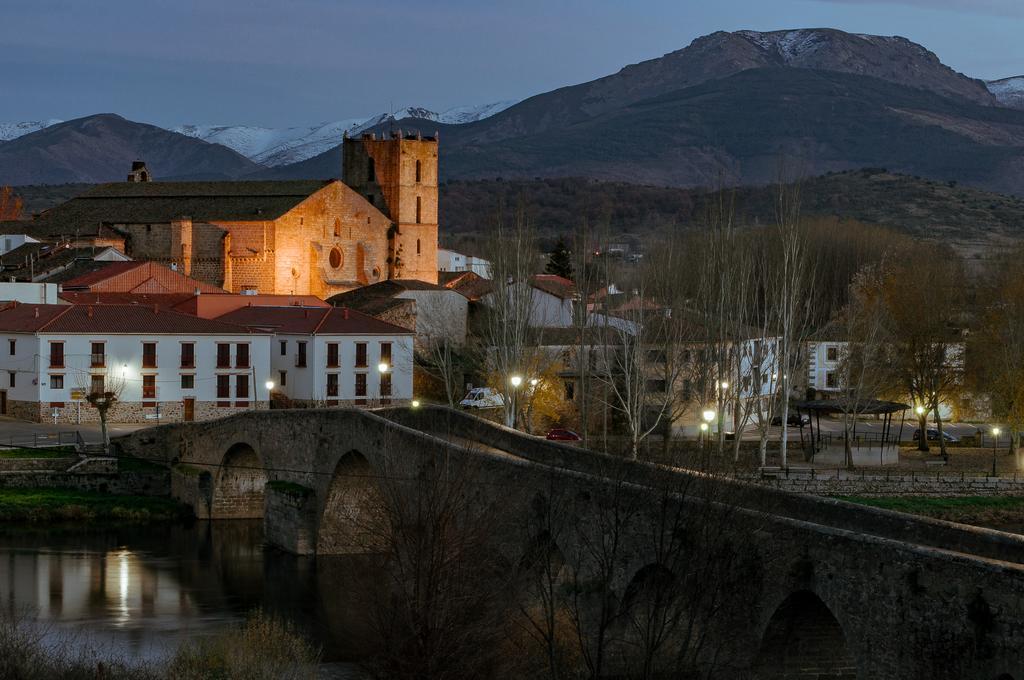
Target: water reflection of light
{"x": 123, "y": 577}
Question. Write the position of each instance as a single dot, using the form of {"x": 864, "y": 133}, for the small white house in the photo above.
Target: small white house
{"x": 33, "y": 293}
{"x": 552, "y": 300}
{"x": 451, "y": 261}
{"x": 333, "y": 356}
{"x": 164, "y": 365}
{"x": 9, "y": 242}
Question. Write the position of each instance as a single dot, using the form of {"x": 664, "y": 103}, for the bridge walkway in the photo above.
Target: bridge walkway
{"x": 829, "y": 514}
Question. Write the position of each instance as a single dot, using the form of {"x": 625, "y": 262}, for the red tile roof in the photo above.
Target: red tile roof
{"x": 555, "y": 285}
{"x": 311, "y": 320}
{"x": 141, "y": 277}
{"x": 93, "y": 319}
{"x": 165, "y": 300}
{"x": 471, "y": 285}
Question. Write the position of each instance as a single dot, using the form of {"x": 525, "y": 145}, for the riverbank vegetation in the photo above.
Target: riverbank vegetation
{"x": 260, "y": 649}
{"x": 49, "y": 505}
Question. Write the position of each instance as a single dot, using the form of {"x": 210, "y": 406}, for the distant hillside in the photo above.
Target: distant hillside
{"x": 930, "y": 209}
{"x": 728, "y": 107}
{"x": 101, "y": 148}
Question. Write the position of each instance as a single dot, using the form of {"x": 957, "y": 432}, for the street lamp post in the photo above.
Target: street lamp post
{"x": 515, "y": 381}
{"x": 270, "y": 386}
{"x": 708, "y": 415}
{"x": 995, "y": 442}
{"x": 922, "y": 429}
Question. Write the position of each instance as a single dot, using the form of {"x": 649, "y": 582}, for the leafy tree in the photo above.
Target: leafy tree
{"x": 560, "y": 261}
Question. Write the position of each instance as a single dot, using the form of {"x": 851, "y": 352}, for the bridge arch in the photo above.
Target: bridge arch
{"x": 354, "y": 519}
{"x": 238, "y": 490}
{"x": 804, "y": 637}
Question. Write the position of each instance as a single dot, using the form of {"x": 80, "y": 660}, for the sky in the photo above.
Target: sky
{"x": 301, "y": 62}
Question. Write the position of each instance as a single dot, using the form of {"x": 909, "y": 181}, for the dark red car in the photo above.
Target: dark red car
{"x": 561, "y": 435}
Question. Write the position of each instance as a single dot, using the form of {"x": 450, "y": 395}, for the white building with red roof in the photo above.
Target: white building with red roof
{"x": 333, "y": 356}
{"x": 166, "y": 365}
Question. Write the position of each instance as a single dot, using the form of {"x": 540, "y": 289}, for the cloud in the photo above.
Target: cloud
{"x": 1007, "y": 8}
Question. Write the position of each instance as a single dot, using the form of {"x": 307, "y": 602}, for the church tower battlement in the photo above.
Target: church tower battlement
{"x": 397, "y": 173}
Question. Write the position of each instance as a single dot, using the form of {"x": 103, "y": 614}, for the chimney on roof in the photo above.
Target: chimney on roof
{"x": 139, "y": 172}
{"x": 37, "y": 312}
{"x": 90, "y": 311}
{"x": 199, "y": 292}
{"x": 344, "y": 313}
{"x": 305, "y": 312}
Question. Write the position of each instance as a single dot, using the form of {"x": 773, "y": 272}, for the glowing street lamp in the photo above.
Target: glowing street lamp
{"x": 533, "y": 382}
{"x": 415, "y": 403}
{"x": 709, "y": 415}
{"x": 995, "y": 442}
{"x": 383, "y": 367}
{"x": 724, "y": 385}
{"x": 919, "y": 410}
{"x": 269, "y": 385}
{"x": 516, "y": 380}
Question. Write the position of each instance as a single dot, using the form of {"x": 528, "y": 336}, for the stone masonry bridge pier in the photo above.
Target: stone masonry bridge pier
{"x": 830, "y": 589}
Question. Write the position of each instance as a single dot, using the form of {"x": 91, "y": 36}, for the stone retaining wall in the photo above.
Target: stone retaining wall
{"x": 130, "y": 483}
{"x": 897, "y": 485}
{"x": 37, "y": 464}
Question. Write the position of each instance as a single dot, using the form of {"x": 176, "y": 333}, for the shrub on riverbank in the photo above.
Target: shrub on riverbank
{"x": 56, "y": 505}
{"x": 261, "y": 649}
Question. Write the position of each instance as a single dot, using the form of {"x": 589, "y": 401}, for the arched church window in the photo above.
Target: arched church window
{"x": 418, "y": 168}
{"x": 417, "y": 246}
{"x": 418, "y": 213}
{"x": 337, "y": 227}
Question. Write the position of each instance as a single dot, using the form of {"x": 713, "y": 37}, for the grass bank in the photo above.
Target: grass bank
{"x": 49, "y": 505}
{"x": 995, "y": 512}
{"x": 63, "y": 452}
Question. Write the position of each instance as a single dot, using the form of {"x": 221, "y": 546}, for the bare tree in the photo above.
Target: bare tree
{"x": 863, "y": 372}
{"x": 446, "y": 363}
{"x": 790, "y": 299}
{"x": 505, "y": 330}
{"x": 102, "y": 391}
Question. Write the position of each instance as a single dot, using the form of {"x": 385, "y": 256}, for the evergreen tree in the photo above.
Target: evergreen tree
{"x": 560, "y": 262}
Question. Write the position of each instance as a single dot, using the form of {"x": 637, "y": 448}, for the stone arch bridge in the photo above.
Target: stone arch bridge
{"x": 838, "y": 590}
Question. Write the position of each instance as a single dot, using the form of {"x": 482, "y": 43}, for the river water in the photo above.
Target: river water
{"x": 136, "y": 592}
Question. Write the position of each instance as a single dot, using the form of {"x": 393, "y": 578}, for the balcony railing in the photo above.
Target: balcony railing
{"x": 97, "y": 360}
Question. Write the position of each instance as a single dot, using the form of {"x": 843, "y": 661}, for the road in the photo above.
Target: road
{"x": 22, "y": 432}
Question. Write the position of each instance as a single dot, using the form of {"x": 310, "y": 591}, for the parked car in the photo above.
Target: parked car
{"x": 933, "y": 436}
{"x": 793, "y": 420}
{"x": 482, "y": 397}
{"x": 562, "y": 435}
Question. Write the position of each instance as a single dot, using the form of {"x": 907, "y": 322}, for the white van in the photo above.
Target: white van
{"x": 482, "y": 397}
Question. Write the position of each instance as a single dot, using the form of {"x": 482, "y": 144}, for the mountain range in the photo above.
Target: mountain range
{"x": 728, "y": 108}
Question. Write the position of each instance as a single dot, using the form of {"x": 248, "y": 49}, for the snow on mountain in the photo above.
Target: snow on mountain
{"x": 9, "y": 131}
{"x": 1008, "y": 91}
{"x": 279, "y": 146}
